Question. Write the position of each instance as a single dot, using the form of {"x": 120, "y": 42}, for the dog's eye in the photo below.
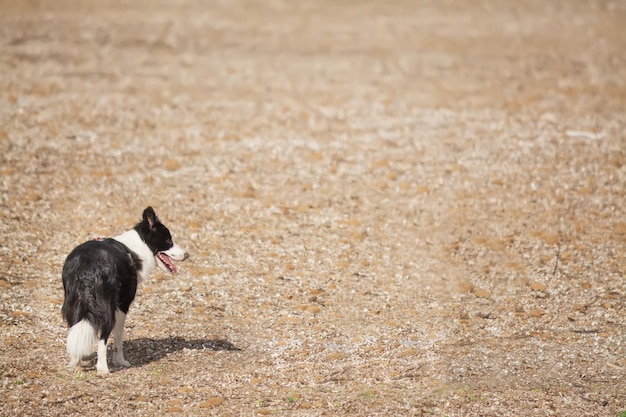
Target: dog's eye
{"x": 169, "y": 242}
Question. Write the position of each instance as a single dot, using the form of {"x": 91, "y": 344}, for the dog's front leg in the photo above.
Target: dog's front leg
{"x": 118, "y": 335}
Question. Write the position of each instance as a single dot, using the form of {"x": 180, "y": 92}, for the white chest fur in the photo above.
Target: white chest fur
{"x": 133, "y": 242}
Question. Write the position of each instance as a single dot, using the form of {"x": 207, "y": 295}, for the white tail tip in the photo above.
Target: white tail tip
{"x": 80, "y": 341}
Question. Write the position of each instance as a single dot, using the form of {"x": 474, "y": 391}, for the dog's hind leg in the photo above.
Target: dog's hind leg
{"x": 102, "y": 367}
{"x": 118, "y": 336}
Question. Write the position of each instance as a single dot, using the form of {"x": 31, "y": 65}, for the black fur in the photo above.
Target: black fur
{"x": 98, "y": 278}
{"x": 153, "y": 232}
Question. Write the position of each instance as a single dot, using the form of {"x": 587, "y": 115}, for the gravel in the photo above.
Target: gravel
{"x": 392, "y": 208}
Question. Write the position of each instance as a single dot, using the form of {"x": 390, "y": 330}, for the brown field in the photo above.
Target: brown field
{"x": 392, "y": 207}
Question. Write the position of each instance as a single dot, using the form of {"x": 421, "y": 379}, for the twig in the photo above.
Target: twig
{"x": 556, "y": 261}
{"x": 584, "y": 331}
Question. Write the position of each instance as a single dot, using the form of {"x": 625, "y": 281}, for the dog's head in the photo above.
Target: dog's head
{"x": 159, "y": 240}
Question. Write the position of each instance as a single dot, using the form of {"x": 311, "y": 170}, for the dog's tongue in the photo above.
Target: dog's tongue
{"x": 167, "y": 262}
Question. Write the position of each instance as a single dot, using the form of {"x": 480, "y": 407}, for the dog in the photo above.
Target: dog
{"x": 100, "y": 279}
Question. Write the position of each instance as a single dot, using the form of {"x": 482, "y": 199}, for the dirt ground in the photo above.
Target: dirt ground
{"x": 392, "y": 207}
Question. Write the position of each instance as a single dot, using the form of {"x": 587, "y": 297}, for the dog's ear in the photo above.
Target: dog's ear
{"x": 149, "y": 217}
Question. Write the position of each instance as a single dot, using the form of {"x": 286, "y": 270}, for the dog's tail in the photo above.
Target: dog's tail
{"x": 80, "y": 341}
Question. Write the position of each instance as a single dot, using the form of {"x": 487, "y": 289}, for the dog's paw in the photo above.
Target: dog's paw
{"x": 102, "y": 370}
{"x": 122, "y": 362}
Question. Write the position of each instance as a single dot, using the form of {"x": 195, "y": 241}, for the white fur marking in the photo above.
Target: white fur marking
{"x": 80, "y": 341}
{"x": 133, "y": 241}
{"x": 176, "y": 253}
{"x": 101, "y": 366}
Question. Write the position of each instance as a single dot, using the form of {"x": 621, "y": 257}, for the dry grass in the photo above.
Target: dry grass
{"x": 392, "y": 208}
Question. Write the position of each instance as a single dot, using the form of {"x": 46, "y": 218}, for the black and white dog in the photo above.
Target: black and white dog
{"x": 100, "y": 280}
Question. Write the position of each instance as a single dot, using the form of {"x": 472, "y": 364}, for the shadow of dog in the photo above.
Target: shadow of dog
{"x": 143, "y": 351}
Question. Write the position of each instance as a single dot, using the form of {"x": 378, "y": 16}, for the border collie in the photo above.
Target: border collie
{"x": 100, "y": 280}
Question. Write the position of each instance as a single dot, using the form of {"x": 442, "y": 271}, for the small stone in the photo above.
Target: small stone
{"x": 313, "y": 309}
{"x": 620, "y": 228}
{"x": 411, "y": 352}
{"x": 352, "y": 222}
{"x": 551, "y": 238}
{"x": 212, "y": 402}
{"x": 316, "y": 156}
{"x": 536, "y": 312}
{"x": 381, "y": 163}
{"x": 212, "y": 271}
{"x": 334, "y": 355}
{"x": 172, "y": 165}
{"x": 466, "y": 287}
{"x": 481, "y": 293}
{"x": 548, "y": 237}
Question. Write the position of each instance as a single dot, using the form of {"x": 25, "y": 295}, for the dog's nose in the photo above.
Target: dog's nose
{"x": 185, "y": 256}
